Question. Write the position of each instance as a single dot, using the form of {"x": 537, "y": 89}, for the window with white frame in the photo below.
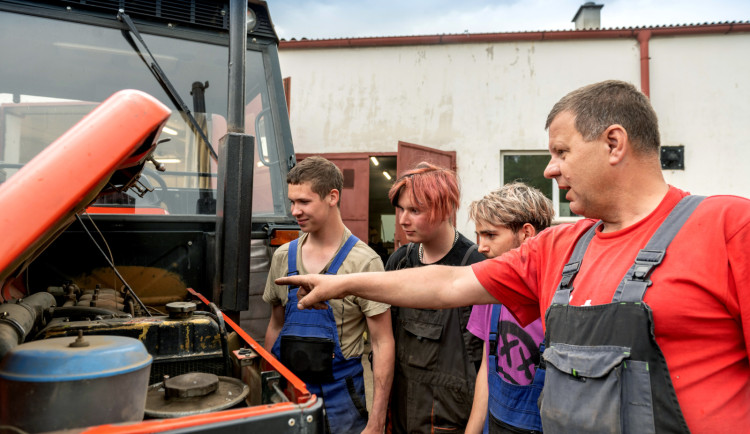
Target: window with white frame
{"x": 528, "y": 167}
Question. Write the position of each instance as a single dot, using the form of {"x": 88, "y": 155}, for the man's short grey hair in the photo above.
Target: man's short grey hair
{"x": 599, "y": 105}
{"x": 512, "y": 206}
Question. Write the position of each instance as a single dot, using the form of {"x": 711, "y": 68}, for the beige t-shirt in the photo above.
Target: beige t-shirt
{"x": 349, "y": 312}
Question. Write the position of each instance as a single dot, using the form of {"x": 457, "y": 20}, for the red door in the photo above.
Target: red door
{"x": 409, "y": 155}
{"x": 356, "y": 194}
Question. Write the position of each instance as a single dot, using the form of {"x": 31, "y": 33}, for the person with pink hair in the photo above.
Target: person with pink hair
{"x": 436, "y": 357}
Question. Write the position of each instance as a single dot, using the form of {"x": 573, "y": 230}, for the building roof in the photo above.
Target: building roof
{"x": 540, "y": 35}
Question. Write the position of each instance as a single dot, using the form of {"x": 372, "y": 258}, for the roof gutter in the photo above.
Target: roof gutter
{"x": 390, "y": 41}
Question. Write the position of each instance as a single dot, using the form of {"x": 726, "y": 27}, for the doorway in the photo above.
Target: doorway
{"x": 365, "y": 208}
{"x": 382, "y": 215}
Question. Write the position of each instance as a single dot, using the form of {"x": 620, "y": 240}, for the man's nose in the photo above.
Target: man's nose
{"x": 552, "y": 170}
{"x": 296, "y": 211}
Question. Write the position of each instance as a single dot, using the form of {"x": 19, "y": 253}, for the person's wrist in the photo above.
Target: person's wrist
{"x": 376, "y": 426}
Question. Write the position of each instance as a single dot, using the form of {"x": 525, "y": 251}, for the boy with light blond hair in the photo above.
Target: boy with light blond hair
{"x": 508, "y": 382}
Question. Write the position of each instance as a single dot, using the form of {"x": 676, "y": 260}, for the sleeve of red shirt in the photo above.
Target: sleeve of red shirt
{"x": 512, "y": 279}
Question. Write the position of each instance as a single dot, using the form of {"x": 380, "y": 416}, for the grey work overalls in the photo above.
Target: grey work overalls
{"x": 605, "y": 371}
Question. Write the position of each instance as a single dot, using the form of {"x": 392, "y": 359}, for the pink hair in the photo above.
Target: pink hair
{"x": 433, "y": 188}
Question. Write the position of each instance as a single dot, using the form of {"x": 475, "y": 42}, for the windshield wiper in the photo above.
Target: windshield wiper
{"x": 163, "y": 80}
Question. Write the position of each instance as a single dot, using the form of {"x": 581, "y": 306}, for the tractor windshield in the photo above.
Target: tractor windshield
{"x": 56, "y": 71}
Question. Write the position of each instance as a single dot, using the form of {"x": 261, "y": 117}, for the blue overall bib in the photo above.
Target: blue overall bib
{"x": 509, "y": 405}
{"x": 308, "y": 345}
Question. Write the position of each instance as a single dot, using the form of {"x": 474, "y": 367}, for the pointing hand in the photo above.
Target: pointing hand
{"x": 314, "y": 290}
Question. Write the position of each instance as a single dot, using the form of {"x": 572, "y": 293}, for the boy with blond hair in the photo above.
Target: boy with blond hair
{"x": 508, "y": 382}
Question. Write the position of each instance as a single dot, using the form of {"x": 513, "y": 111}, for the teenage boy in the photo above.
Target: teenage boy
{"x": 508, "y": 386}
{"x": 324, "y": 347}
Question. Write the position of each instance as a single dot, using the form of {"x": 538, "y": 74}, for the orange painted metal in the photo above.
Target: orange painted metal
{"x": 41, "y": 199}
{"x": 125, "y": 210}
{"x": 300, "y": 388}
{"x": 162, "y": 425}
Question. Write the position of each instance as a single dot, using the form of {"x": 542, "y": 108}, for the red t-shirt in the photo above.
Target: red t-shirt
{"x": 700, "y": 297}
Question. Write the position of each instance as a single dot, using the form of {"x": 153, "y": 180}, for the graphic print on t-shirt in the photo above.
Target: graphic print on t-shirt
{"x": 517, "y": 350}
{"x": 517, "y": 354}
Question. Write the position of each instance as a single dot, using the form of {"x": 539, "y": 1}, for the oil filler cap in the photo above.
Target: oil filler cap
{"x": 180, "y": 309}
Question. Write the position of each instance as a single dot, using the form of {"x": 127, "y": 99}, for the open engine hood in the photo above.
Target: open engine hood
{"x": 106, "y": 150}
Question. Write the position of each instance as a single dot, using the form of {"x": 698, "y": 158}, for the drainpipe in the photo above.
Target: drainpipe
{"x": 643, "y": 38}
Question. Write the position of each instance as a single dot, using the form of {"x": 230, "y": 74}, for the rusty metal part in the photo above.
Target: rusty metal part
{"x": 80, "y": 342}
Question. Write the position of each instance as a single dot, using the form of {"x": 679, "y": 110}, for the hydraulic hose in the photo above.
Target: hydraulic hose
{"x": 18, "y": 318}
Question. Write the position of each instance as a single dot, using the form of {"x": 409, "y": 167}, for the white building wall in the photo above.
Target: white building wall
{"x": 700, "y": 88}
{"x": 481, "y": 98}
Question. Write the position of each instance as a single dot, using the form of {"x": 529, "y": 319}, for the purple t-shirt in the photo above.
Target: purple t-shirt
{"x": 517, "y": 347}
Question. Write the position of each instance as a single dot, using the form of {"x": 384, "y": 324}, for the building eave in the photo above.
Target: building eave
{"x": 546, "y": 35}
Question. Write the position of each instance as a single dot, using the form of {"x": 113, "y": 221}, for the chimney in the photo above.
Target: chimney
{"x": 588, "y": 16}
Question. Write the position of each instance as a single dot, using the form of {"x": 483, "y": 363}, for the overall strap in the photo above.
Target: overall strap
{"x": 405, "y": 262}
{"x": 342, "y": 254}
{"x": 492, "y": 341}
{"x": 570, "y": 270}
{"x": 291, "y": 260}
{"x": 635, "y": 282}
{"x": 469, "y": 251}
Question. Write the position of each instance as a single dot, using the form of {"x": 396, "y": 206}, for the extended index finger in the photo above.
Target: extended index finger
{"x": 290, "y": 280}
{"x": 304, "y": 288}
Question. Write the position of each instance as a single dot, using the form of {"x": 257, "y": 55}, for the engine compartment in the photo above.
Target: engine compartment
{"x": 189, "y": 342}
{"x": 181, "y": 340}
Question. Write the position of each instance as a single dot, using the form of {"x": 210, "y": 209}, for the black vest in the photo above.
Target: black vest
{"x": 435, "y": 370}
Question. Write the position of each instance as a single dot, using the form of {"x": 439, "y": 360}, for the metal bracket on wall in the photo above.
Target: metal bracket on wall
{"x": 673, "y": 157}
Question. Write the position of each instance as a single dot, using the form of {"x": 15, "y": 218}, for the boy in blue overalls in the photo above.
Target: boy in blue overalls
{"x": 508, "y": 382}
{"x": 324, "y": 347}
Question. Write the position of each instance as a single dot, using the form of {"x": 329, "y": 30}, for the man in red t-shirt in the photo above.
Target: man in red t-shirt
{"x": 673, "y": 360}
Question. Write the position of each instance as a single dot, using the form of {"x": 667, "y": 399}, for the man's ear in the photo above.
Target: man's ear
{"x": 527, "y": 231}
{"x": 334, "y": 195}
{"x": 616, "y": 138}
